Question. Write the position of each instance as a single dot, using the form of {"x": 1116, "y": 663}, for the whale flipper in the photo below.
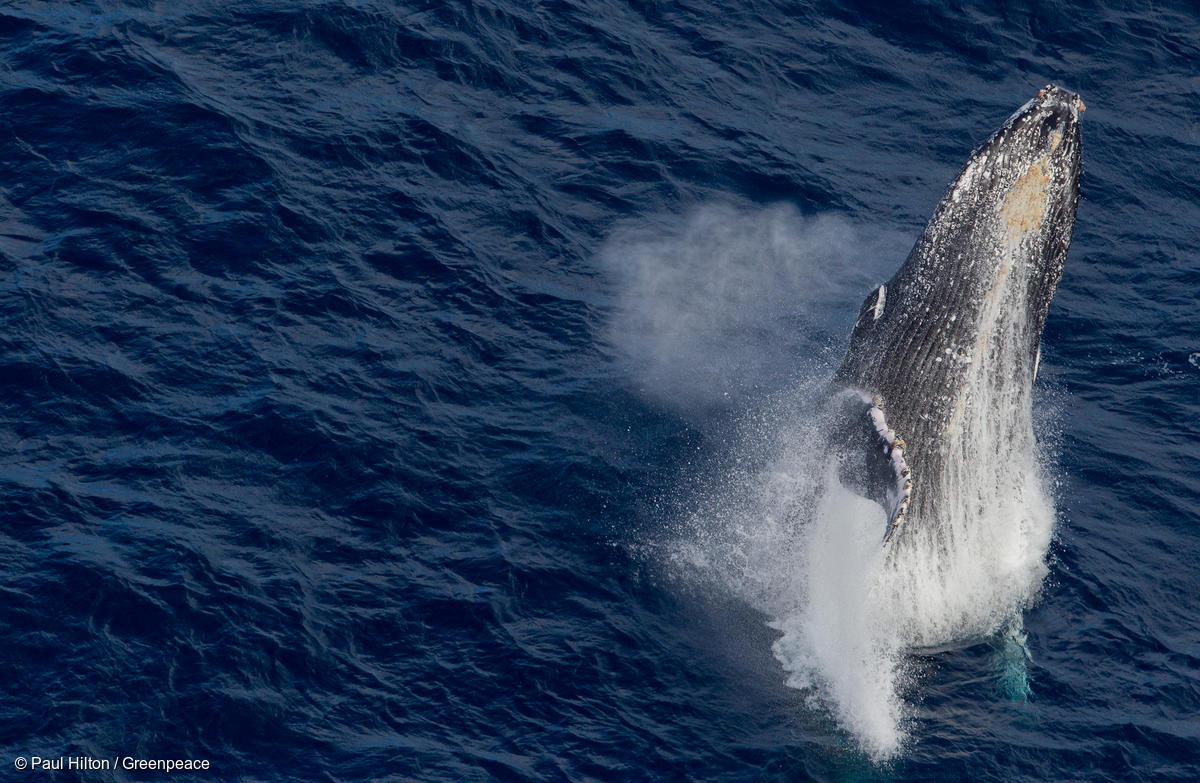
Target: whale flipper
{"x": 871, "y": 456}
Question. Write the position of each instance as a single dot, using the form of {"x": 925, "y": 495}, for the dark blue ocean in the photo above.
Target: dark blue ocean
{"x": 390, "y": 391}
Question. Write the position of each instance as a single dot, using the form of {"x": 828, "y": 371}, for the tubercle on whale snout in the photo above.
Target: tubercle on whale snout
{"x": 1054, "y": 93}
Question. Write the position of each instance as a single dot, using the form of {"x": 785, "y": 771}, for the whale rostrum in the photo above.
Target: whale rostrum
{"x": 943, "y": 356}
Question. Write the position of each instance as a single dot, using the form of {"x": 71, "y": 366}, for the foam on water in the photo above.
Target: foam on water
{"x": 773, "y": 526}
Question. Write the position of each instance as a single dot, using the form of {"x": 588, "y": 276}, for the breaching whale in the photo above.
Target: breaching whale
{"x": 943, "y": 356}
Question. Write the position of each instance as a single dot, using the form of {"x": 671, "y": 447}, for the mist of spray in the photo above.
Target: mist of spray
{"x": 728, "y": 301}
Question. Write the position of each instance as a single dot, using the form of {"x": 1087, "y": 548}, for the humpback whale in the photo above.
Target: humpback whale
{"x": 943, "y": 356}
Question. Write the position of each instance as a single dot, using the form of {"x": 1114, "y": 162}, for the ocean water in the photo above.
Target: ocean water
{"x": 419, "y": 392}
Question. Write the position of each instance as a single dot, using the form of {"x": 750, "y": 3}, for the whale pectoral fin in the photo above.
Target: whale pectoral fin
{"x": 871, "y": 458}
